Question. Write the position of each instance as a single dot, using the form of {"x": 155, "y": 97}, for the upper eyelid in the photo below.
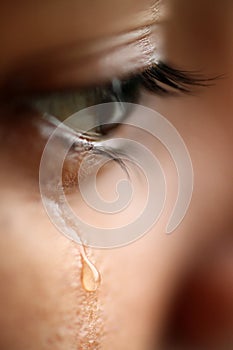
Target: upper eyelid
{"x": 160, "y": 72}
{"x": 156, "y": 78}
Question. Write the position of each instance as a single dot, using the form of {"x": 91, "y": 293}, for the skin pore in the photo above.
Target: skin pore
{"x": 64, "y": 44}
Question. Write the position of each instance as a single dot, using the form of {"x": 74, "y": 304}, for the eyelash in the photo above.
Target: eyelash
{"x": 163, "y": 79}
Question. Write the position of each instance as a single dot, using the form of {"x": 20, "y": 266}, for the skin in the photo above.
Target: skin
{"x": 41, "y": 293}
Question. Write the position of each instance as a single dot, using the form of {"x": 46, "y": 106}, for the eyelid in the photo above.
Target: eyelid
{"x": 158, "y": 78}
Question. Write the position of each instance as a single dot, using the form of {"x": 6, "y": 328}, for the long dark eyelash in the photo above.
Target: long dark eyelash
{"x": 163, "y": 79}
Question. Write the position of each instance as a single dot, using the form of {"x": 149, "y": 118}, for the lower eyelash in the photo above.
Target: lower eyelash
{"x": 82, "y": 148}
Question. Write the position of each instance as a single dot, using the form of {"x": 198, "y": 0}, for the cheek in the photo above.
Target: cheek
{"x": 40, "y": 288}
{"x": 205, "y": 124}
{"x": 204, "y": 120}
{"x": 36, "y": 272}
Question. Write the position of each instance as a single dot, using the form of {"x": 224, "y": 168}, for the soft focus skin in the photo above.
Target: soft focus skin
{"x": 40, "y": 292}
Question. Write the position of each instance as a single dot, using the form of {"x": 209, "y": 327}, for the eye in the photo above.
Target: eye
{"x": 62, "y": 105}
{"x": 159, "y": 79}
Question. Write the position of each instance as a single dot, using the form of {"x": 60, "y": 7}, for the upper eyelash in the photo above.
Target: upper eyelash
{"x": 179, "y": 80}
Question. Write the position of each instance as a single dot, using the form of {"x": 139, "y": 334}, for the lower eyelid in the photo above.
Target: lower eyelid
{"x": 71, "y": 170}
{"x": 81, "y": 147}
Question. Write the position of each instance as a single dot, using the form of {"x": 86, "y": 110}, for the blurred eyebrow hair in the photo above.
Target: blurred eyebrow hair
{"x": 94, "y": 46}
{"x": 43, "y": 33}
{"x": 58, "y": 57}
{"x": 135, "y": 49}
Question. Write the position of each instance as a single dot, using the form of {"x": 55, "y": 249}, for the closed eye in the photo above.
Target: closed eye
{"x": 159, "y": 78}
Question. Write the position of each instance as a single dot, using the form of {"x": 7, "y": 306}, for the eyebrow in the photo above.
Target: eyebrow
{"x": 79, "y": 50}
{"x": 48, "y": 25}
{"x": 87, "y": 63}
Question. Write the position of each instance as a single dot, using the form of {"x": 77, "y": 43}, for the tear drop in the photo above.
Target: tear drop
{"x": 90, "y": 276}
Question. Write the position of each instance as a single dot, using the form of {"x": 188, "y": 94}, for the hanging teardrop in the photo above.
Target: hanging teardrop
{"x": 90, "y": 276}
